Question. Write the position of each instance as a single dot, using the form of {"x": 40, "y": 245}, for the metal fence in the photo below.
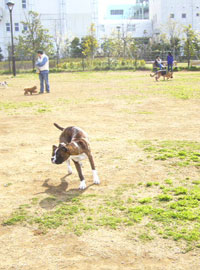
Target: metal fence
{"x": 23, "y": 65}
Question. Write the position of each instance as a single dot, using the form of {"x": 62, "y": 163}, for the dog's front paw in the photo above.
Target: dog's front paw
{"x": 82, "y": 185}
{"x": 95, "y": 177}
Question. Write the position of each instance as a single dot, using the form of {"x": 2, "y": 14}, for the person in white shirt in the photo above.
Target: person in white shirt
{"x": 159, "y": 62}
{"x": 42, "y": 65}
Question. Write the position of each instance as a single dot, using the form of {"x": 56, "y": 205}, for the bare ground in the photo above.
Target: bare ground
{"x": 98, "y": 106}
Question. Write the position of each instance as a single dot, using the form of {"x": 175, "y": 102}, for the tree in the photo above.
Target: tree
{"x": 75, "y": 48}
{"x": 58, "y": 41}
{"x": 33, "y": 38}
{"x": 134, "y": 51}
{"x": 89, "y": 43}
{"x": 1, "y": 55}
{"x": 192, "y": 43}
{"x": 173, "y": 32}
{"x": 65, "y": 49}
{"x": 108, "y": 48}
{"x": 113, "y": 45}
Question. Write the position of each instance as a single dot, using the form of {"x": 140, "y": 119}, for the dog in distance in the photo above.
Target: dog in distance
{"x": 30, "y": 90}
{"x": 4, "y": 84}
{"x": 163, "y": 73}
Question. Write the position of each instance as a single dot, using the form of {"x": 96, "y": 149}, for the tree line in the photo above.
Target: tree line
{"x": 117, "y": 45}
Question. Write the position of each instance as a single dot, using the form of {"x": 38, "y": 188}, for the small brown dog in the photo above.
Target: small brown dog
{"x": 30, "y": 90}
{"x": 164, "y": 73}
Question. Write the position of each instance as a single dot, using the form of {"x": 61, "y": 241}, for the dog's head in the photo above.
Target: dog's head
{"x": 60, "y": 153}
{"x": 170, "y": 75}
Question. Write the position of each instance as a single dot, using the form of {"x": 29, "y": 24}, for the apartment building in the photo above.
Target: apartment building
{"x": 131, "y": 17}
{"x": 141, "y": 18}
{"x": 63, "y": 18}
{"x": 183, "y": 12}
{"x": 72, "y": 18}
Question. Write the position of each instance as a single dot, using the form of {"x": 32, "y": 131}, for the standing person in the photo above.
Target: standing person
{"x": 42, "y": 65}
{"x": 170, "y": 61}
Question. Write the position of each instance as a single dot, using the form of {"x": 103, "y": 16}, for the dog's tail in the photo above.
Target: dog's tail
{"x": 152, "y": 75}
{"x": 56, "y": 125}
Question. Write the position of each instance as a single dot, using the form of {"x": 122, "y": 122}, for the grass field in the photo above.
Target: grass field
{"x": 144, "y": 135}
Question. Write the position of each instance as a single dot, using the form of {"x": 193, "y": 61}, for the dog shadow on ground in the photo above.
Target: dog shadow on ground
{"x": 59, "y": 193}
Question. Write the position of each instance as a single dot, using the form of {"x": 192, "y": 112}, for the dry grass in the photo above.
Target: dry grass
{"x": 145, "y": 141}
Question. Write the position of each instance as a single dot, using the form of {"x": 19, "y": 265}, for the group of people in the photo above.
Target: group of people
{"x": 170, "y": 60}
{"x": 42, "y": 66}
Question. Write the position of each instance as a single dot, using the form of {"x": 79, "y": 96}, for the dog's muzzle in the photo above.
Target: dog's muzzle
{"x": 54, "y": 160}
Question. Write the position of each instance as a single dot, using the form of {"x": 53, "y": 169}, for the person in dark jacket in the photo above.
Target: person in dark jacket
{"x": 170, "y": 61}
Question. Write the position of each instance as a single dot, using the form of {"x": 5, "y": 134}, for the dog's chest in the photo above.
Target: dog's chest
{"x": 78, "y": 158}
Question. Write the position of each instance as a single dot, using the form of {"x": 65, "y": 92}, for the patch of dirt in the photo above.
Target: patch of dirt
{"x": 26, "y": 171}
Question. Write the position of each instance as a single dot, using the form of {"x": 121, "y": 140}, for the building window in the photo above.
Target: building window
{"x": 117, "y": 12}
{"x": 25, "y": 28}
{"x": 197, "y": 15}
{"x": 171, "y": 16}
{"x": 23, "y": 3}
{"x": 184, "y": 15}
{"x": 7, "y": 27}
{"x": 131, "y": 27}
{"x": 102, "y": 28}
{"x": 16, "y": 27}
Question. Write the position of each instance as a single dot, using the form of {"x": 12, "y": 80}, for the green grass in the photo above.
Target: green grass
{"x": 178, "y": 153}
{"x": 172, "y": 212}
{"x": 16, "y": 107}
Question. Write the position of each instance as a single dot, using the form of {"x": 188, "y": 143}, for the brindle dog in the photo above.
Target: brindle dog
{"x": 74, "y": 144}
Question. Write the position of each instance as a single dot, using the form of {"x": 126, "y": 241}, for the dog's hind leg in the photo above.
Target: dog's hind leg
{"x": 94, "y": 172}
{"x": 79, "y": 170}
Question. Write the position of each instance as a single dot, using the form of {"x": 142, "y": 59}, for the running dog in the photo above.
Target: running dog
{"x": 164, "y": 73}
{"x": 74, "y": 145}
{"x": 30, "y": 90}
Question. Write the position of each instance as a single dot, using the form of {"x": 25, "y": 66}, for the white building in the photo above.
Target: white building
{"x": 148, "y": 17}
{"x": 63, "y": 18}
{"x": 183, "y": 12}
{"x": 127, "y": 17}
{"x": 72, "y": 18}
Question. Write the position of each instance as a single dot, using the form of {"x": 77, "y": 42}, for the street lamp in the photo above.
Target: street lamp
{"x": 10, "y": 5}
{"x": 118, "y": 30}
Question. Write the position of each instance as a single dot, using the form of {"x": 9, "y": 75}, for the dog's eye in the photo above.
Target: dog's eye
{"x": 64, "y": 149}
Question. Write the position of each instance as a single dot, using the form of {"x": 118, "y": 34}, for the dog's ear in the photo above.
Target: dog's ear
{"x": 65, "y": 149}
{"x": 63, "y": 146}
{"x": 54, "y": 147}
